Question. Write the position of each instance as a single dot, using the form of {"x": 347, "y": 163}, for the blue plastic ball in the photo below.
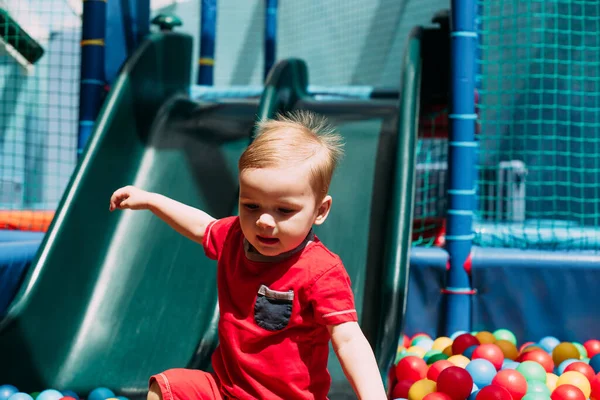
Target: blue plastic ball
{"x": 101, "y": 393}
{"x": 424, "y": 343}
{"x": 49, "y": 394}
{"x": 482, "y": 371}
{"x": 469, "y": 351}
{"x": 456, "y": 334}
{"x": 6, "y": 391}
{"x": 561, "y": 368}
{"x": 595, "y": 363}
{"x": 473, "y": 395}
{"x": 20, "y": 396}
{"x": 509, "y": 364}
{"x": 548, "y": 343}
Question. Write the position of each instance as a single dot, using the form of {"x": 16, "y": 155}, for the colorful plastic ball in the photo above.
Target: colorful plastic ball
{"x": 532, "y": 371}
{"x": 71, "y": 398}
{"x": 582, "y": 367}
{"x": 563, "y": 365}
{"x": 436, "y": 357}
{"x": 482, "y": 371}
{"x": 403, "y": 355}
{"x": 20, "y": 396}
{"x": 595, "y": 363}
{"x": 485, "y": 337}
{"x": 473, "y": 395}
{"x": 540, "y": 357}
{"x": 457, "y": 334}
{"x": 410, "y": 368}
{"x": 401, "y": 389}
{"x": 536, "y": 396}
{"x": 50, "y": 394}
{"x": 70, "y": 393}
{"x": 6, "y": 391}
{"x": 512, "y": 381}
{"x": 437, "y": 396}
{"x": 100, "y": 393}
{"x": 595, "y": 388}
{"x": 469, "y": 351}
{"x": 417, "y": 350}
{"x": 463, "y": 342}
{"x": 538, "y": 387}
{"x": 592, "y": 347}
{"x": 490, "y": 352}
{"x": 525, "y": 345}
{"x": 448, "y": 351}
{"x": 567, "y": 392}
{"x": 459, "y": 360}
{"x": 420, "y": 389}
{"x": 455, "y": 382}
{"x": 434, "y": 370}
{"x": 34, "y": 394}
{"x": 581, "y": 349}
{"x": 551, "y": 380}
{"x": 424, "y": 343}
{"x": 505, "y": 334}
{"x": 441, "y": 343}
{"x": 564, "y": 351}
{"x": 493, "y": 392}
{"x": 417, "y": 337}
{"x": 576, "y": 379}
{"x": 548, "y": 343}
{"x": 508, "y": 349}
{"x": 509, "y": 364}
{"x": 430, "y": 353}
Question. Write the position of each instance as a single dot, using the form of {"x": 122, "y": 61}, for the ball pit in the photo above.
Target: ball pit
{"x": 10, "y": 392}
{"x": 489, "y": 365}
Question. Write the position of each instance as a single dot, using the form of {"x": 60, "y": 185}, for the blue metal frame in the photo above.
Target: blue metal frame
{"x": 208, "y": 28}
{"x": 270, "y": 35}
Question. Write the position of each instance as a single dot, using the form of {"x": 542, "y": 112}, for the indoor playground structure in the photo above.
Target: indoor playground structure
{"x": 467, "y": 206}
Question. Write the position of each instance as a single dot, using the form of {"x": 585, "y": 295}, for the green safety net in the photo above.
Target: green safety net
{"x": 539, "y": 107}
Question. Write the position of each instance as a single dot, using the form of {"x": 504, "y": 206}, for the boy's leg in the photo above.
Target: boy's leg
{"x": 184, "y": 384}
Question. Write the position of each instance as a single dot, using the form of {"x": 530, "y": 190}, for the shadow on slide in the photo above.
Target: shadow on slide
{"x": 112, "y": 298}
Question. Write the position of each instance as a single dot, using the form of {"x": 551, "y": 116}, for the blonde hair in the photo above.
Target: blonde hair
{"x": 294, "y": 138}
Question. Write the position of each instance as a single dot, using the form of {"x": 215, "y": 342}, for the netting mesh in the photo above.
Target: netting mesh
{"x": 539, "y": 171}
{"x": 38, "y": 106}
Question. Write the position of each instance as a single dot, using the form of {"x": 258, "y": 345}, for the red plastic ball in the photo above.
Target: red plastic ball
{"x": 491, "y": 352}
{"x": 493, "y": 392}
{"x": 455, "y": 382}
{"x": 524, "y": 345}
{"x": 595, "y": 385}
{"x": 540, "y": 357}
{"x": 437, "y": 396}
{"x": 513, "y": 381}
{"x": 463, "y": 342}
{"x": 401, "y": 389}
{"x": 582, "y": 367}
{"x": 593, "y": 347}
{"x": 437, "y": 367}
{"x": 567, "y": 392}
{"x": 411, "y": 368}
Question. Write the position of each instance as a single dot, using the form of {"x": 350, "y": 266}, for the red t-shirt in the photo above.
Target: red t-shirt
{"x": 273, "y": 338}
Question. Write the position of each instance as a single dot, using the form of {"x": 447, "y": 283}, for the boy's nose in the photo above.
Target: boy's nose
{"x": 265, "y": 221}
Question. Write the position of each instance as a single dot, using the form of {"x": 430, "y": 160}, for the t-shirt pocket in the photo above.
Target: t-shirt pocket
{"x": 273, "y": 309}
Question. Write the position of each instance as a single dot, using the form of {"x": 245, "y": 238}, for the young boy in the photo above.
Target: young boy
{"x": 282, "y": 294}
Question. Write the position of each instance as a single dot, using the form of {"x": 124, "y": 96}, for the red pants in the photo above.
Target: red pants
{"x": 187, "y": 384}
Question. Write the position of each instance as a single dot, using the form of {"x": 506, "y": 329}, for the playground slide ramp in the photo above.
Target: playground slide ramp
{"x": 112, "y": 298}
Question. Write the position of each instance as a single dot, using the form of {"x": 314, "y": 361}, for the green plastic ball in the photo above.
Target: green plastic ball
{"x": 532, "y": 371}
{"x": 436, "y": 357}
{"x": 582, "y": 350}
{"x": 505, "y": 334}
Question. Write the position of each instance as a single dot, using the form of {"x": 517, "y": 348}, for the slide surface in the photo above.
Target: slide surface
{"x": 114, "y": 297}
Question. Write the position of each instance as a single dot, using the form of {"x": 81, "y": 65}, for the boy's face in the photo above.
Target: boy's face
{"x": 278, "y": 207}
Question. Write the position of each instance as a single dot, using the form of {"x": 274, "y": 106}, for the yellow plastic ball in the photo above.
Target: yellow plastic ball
{"x": 576, "y": 379}
{"x": 551, "y": 380}
{"x": 459, "y": 360}
{"x": 421, "y": 388}
{"x": 564, "y": 351}
{"x": 417, "y": 350}
{"x": 441, "y": 343}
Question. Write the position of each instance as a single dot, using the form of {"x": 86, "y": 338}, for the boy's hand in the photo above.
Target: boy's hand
{"x": 129, "y": 197}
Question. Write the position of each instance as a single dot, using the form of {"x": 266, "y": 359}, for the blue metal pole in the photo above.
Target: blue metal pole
{"x": 461, "y": 155}
{"x": 92, "y": 79}
{"x": 270, "y": 35}
{"x": 208, "y": 28}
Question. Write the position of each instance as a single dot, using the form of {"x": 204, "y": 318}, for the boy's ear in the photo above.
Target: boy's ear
{"x": 323, "y": 210}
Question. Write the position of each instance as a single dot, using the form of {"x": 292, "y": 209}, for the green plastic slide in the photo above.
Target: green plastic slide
{"x": 13, "y": 35}
{"x": 115, "y": 297}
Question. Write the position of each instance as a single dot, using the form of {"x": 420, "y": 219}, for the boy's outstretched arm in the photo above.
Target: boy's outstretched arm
{"x": 188, "y": 221}
{"x": 357, "y": 360}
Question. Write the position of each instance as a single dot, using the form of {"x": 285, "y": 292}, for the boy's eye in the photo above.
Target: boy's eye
{"x": 286, "y": 211}
{"x": 251, "y": 206}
